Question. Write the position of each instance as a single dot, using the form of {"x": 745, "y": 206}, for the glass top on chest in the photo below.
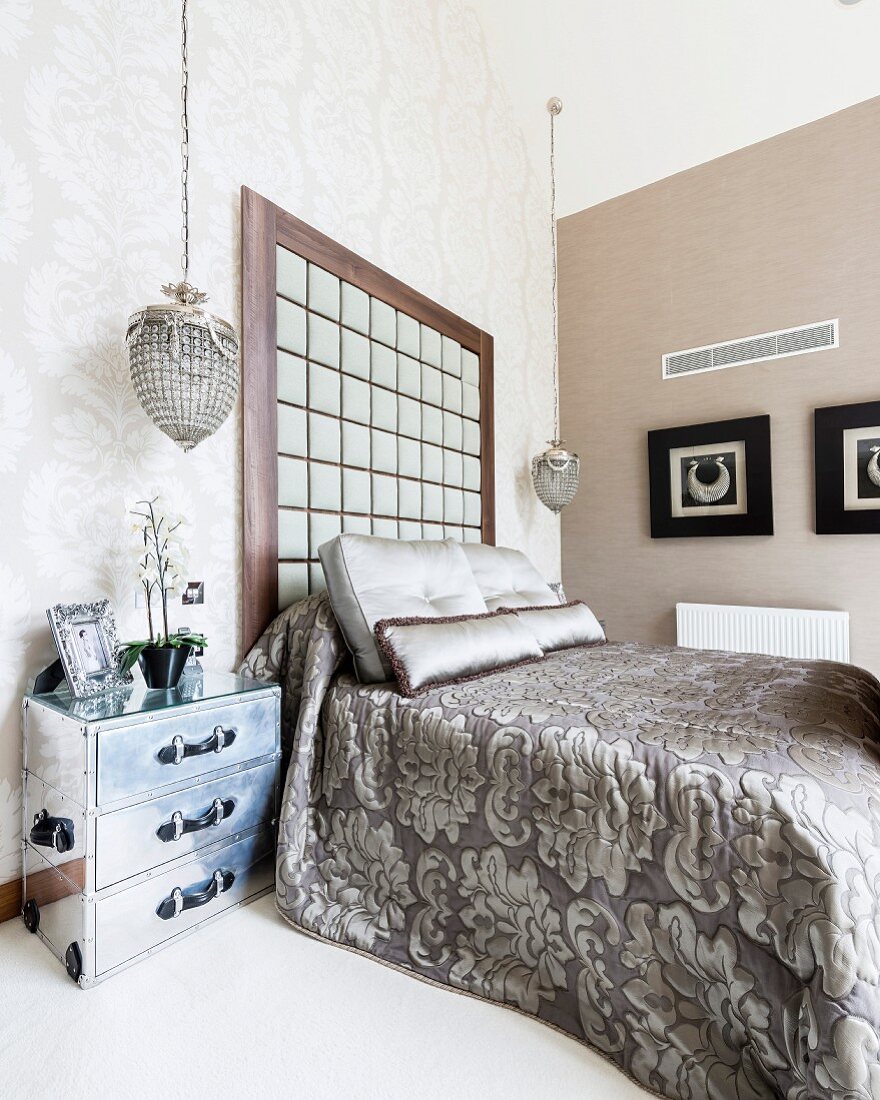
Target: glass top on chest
{"x": 137, "y": 698}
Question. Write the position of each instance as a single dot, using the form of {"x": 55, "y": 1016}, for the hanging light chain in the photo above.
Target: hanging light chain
{"x": 184, "y": 144}
{"x": 554, "y": 106}
{"x": 555, "y": 472}
{"x": 183, "y": 359}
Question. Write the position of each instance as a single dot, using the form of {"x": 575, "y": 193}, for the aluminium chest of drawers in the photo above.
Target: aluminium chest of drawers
{"x": 146, "y": 814}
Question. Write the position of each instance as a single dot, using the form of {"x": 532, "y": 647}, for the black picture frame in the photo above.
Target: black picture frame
{"x": 754, "y": 432}
{"x": 829, "y": 424}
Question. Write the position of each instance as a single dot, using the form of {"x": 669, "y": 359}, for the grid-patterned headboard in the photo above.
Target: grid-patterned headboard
{"x": 367, "y": 408}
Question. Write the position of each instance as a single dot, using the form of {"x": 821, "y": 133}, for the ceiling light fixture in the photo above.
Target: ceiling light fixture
{"x": 556, "y": 472}
{"x": 183, "y": 359}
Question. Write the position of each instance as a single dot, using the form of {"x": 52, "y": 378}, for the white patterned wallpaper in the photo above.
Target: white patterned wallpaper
{"x": 378, "y": 121}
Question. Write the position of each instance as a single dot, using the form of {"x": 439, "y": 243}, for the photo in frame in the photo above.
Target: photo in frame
{"x": 85, "y": 635}
{"x": 711, "y": 479}
{"x": 847, "y": 450}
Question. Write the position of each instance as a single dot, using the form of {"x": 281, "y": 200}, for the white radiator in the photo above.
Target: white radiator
{"x": 779, "y": 631}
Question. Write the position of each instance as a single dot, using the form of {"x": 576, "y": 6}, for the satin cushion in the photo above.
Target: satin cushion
{"x": 561, "y": 626}
{"x": 370, "y": 578}
{"x": 431, "y": 653}
{"x": 506, "y": 577}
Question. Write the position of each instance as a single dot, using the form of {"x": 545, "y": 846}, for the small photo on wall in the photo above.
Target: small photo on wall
{"x": 711, "y": 479}
{"x": 847, "y": 442}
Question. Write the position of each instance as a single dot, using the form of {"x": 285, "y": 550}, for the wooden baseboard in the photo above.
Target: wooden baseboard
{"x": 44, "y": 887}
{"x": 10, "y": 899}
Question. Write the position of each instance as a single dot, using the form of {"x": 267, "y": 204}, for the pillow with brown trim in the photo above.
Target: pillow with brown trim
{"x": 432, "y": 653}
{"x": 561, "y": 626}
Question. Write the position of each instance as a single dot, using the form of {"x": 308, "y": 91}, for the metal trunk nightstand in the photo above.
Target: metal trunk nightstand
{"x": 146, "y": 814}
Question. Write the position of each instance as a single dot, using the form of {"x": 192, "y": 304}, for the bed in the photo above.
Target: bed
{"x": 670, "y": 855}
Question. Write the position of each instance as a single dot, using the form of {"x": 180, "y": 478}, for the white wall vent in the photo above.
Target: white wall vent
{"x": 753, "y": 349}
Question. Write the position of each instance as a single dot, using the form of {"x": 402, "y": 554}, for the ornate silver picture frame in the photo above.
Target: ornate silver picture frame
{"x": 85, "y": 634}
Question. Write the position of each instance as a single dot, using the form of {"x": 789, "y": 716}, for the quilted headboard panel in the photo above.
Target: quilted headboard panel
{"x": 367, "y": 409}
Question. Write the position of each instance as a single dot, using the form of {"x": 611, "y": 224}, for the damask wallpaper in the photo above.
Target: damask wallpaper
{"x": 378, "y": 121}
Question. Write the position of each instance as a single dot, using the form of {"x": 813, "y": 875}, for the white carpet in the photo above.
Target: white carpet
{"x": 247, "y": 1007}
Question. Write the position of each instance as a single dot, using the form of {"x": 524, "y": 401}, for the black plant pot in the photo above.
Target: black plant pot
{"x": 162, "y": 665}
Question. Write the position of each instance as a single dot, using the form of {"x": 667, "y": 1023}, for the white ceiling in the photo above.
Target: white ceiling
{"x": 652, "y": 87}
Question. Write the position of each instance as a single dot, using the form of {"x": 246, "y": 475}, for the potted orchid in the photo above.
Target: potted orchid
{"x": 161, "y": 561}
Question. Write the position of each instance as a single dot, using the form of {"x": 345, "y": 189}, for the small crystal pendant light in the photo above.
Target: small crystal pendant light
{"x": 556, "y": 472}
{"x": 183, "y": 359}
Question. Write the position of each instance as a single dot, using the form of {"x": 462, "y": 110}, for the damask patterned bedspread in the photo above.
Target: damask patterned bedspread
{"x": 671, "y": 855}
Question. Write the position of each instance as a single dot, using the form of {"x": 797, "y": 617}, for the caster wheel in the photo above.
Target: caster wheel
{"x": 73, "y": 961}
{"x": 31, "y": 915}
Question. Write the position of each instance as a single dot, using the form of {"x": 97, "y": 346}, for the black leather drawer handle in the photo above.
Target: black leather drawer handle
{"x": 178, "y": 825}
{"x": 179, "y": 900}
{"x": 179, "y": 750}
{"x": 52, "y": 832}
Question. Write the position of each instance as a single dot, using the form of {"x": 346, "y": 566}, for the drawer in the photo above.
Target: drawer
{"x": 139, "y": 758}
{"x": 128, "y": 922}
{"x": 149, "y": 834}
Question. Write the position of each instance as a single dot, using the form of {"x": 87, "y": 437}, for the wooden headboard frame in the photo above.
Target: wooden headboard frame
{"x": 264, "y": 227}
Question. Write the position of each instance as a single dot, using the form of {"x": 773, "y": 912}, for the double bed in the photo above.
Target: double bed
{"x": 670, "y": 855}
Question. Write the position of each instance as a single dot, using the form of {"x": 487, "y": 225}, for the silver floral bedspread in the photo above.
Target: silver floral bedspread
{"x": 672, "y": 855}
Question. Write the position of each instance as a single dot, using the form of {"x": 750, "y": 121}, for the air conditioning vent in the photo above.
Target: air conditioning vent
{"x": 753, "y": 349}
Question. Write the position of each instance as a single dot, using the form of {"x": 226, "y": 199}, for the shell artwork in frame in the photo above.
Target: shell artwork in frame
{"x": 847, "y": 465}
{"x": 862, "y": 468}
{"x": 708, "y": 492}
{"x": 711, "y": 479}
{"x": 708, "y": 481}
{"x": 873, "y": 471}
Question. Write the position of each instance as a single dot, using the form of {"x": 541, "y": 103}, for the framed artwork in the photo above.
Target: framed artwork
{"x": 85, "y": 634}
{"x": 711, "y": 479}
{"x": 847, "y": 441}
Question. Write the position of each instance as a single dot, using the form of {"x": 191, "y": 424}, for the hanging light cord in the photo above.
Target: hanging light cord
{"x": 183, "y": 293}
{"x": 554, "y": 106}
{"x": 184, "y": 145}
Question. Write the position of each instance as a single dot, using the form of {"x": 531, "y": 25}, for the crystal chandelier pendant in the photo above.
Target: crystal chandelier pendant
{"x": 556, "y": 474}
{"x": 183, "y": 359}
{"x": 184, "y": 365}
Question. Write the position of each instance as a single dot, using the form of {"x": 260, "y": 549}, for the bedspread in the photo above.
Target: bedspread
{"x": 672, "y": 855}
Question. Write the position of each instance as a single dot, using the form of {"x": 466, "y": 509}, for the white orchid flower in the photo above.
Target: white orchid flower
{"x": 162, "y": 555}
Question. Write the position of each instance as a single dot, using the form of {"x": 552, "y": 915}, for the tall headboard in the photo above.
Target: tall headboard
{"x": 367, "y": 408}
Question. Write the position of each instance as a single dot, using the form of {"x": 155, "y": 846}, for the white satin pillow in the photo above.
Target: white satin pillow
{"x": 369, "y": 578}
{"x": 506, "y": 577}
{"x": 561, "y": 626}
{"x": 431, "y": 653}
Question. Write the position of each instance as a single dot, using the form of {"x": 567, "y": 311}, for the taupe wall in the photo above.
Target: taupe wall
{"x": 779, "y": 234}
